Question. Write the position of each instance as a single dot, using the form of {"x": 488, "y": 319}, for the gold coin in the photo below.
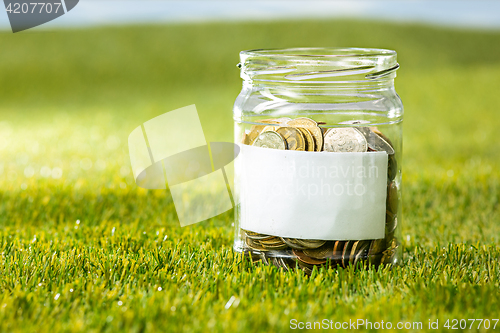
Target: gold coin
{"x": 391, "y": 221}
{"x": 255, "y": 130}
{"x": 293, "y": 243}
{"x": 312, "y": 126}
{"x": 245, "y": 140}
{"x": 392, "y": 168}
{"x": 270, "y": 128}
{"x": 271, "y": 240}
{"x": 346, "y": 252}
{"x": 306, "y": 268}
{"x": 336, "y": 254}
{"x": 306, "y": 259}
{"x": 389, "y": 253}
{"x": 361, "y": 251}
{"x": 310, "y": 243}
{"x": 392, "y": 198}
{"x": 310, "y": 145}
{"x": 293, "y": 137}
{"x": 255, "y": 245}
{"x": 270, "y": 139}
{"x": 338, "y": 247}
{"x": 377, "y": 246}
{"x": 275, "y": 246}
{"x": 322, "y": 252}
{"x": 353, "y": 251}
{"x": 256, "y": 235}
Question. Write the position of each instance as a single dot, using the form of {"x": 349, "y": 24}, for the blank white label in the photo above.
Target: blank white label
{"x": 312, "y": 195}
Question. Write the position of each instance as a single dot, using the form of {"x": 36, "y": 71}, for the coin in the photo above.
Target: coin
{"x": 377, "y": 246}
{"x": 322, "y": 252}
{"x": 391, "y": 222}
{"x": 392, "y": 167}
{"x": 312, "y": 126}
{"x": 389, "y": 237}
{"x": 262, "y": 256}
{"x": 353, "y": 251}
{"x": 270, "y": 140}
{"x": 346, "y": 252}
{"x": 310, "y": 243}
{"x": 362, "y": 251}
{"x": 306, "y": 268}
{"x": 310, "y": 145}
{"x": 389, "y": 253}
{"x": 338, "y": 247}
{"x": 286, "y": 261}
{"x": 255, "y": 235}
{"x": 245, "y": 139}
{"x": 276, "y": 262}
{"x": 254, "y": 132}
{"x": 273, "y": 243}
{"x": 377, "y": 131}
{"x": 306, "y": 259}
{"x": 344, "y": 139}
{"x": 376, "y": 142}
{"x": 292, "y": 242}
{"x": 254, "y": 245}
{"x": 286, "y": 265}
{"x": 280, "y": 263}
{"x": 270, "y": 240}
{"x": 251, "y": 233}
{"x": 275, "y": 246}
{"x": 270, "y": 128}
{"x": 392, "y": 198}
{"x": 293, "y": 137}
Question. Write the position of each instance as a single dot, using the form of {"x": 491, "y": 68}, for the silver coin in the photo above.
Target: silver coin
{"x": 284, "y": 264}
{"x": 345, "y": 139}
{"x": 270, "y": 139}
{"x": 376, "y": 142}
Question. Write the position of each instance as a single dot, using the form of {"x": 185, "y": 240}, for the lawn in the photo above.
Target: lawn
{"x": 83, "y": 249}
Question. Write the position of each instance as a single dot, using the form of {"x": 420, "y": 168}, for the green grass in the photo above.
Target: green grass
{"x": 67, "y": 97}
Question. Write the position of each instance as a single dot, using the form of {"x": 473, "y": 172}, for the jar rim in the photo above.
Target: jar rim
{"x": 319, "y": 65}
{"x": 324, "y": 53}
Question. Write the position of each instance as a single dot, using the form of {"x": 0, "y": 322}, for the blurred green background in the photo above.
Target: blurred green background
{"x": 69, "y": 99}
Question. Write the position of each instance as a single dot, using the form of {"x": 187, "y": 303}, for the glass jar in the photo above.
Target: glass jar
{"x": 318, "y": 177}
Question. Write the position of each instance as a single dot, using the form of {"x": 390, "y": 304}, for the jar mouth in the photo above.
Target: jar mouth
{"x": 322, "y": 53}
{"x": 318, "y": 65}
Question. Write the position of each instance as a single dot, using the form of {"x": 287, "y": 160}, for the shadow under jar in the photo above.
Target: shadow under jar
{"x": 318, "y": 178}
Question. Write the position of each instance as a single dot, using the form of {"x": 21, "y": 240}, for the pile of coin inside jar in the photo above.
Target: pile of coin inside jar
{"x": 305, "y": 134}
